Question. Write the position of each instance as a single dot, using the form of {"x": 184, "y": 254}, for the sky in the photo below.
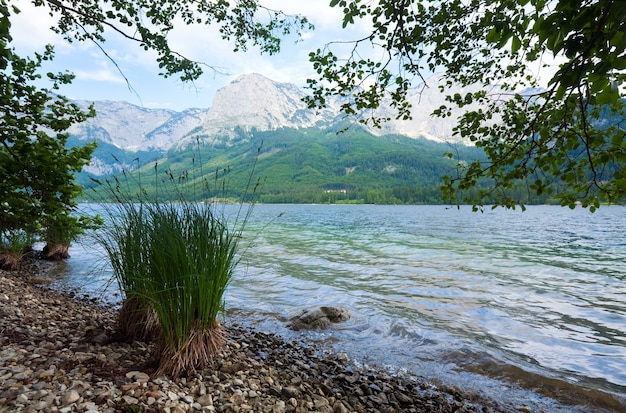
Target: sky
{"x": 97, "y": 78}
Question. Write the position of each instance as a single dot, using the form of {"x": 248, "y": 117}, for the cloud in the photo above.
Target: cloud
{"x": 102, "y": 75}
{"x": 31, "y": 28}
{"x": 98, "y": 78}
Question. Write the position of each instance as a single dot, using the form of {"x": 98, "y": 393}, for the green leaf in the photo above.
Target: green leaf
{"x": 493, "y": 36}
{"x": 516, "y": 44}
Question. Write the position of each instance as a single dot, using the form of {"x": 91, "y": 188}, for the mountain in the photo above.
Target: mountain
{"x": 130, "y": 137}
{"x": 425, "y": 98}
{"x": 132, "y": 128}
{"x": 252, "y": 102}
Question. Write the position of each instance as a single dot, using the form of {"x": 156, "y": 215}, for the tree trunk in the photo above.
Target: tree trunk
{"x": 56, "y": 252}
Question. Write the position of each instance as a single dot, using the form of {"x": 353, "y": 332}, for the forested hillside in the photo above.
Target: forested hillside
{"x": 302, "y": 166}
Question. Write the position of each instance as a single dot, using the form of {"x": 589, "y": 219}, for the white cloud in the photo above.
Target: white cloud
{"x": 97, "y": 77}
{"x": 102, "y": 75}
{"x": 31, "y": 28}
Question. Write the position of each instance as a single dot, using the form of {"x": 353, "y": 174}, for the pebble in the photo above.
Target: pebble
{"x": 130, "y": 400}
{"x": 22, "y": 398}
{"x": 70, "y": 397}
{"x": 205, "y": 400}
{"x": 138, "y": 376}
{"x": 77, "y": 368}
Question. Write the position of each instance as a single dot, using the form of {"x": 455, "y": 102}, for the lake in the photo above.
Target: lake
{"x": 524, "y": 307}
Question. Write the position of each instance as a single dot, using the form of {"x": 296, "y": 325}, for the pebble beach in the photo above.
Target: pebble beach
{"x": 57, "y": 354}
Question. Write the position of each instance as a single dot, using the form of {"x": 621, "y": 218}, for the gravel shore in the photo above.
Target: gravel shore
{"x": 57, "y": 355}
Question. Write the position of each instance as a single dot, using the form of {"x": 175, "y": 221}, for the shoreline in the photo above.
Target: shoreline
{"x": 56, "y": 355}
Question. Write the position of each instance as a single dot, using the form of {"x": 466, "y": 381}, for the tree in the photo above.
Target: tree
{"x": 37, "y": 193}
{"x": 565, "y": 139}
{"x": 149, "y": 22}
{"x": 37, "y": 189}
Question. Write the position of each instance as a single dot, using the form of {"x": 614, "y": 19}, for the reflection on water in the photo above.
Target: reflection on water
{"x": 474, "y": 299}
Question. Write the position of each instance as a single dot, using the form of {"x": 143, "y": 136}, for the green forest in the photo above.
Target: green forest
{"x": 299, "y": 166}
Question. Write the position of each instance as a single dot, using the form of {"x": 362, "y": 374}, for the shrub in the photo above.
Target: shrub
{"x": 13, "y": 245}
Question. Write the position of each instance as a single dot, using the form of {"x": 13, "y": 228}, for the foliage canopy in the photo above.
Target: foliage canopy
{"x": 37, "y": 192}
{"x": 149, "y": 22}
{"x": 570, "y": 131}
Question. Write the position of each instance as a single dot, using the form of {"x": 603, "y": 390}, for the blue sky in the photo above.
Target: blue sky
{"x": 97, "y": 78}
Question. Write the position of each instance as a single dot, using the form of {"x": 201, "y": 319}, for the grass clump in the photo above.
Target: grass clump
{"x": 14, "y": 244}
{"x": 172, "y": 262}
{"x": 192, "y": 257}
{"x": 126, "y": 240}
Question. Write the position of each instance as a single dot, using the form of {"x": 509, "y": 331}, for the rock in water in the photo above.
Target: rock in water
{"x": 336, "y": 314}
{"x": 318, "y": 318}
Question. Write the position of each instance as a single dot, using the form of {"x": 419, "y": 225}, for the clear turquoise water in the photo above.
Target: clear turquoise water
{"x": 515, "y": 305}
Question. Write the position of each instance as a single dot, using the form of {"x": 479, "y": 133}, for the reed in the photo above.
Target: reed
{"x": 125, "y": 238}
{"x": 192, "y": 255}
{"x": 173, "y": 262}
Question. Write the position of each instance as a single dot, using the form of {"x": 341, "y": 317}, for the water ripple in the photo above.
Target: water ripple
{"x": 535, "y": 298}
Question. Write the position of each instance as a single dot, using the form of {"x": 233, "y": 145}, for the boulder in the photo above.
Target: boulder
{"x": 318, "y": 318}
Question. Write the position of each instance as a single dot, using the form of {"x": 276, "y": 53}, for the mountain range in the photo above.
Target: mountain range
{"x": 300, "y": 153}
{"x": 252, "y": 102}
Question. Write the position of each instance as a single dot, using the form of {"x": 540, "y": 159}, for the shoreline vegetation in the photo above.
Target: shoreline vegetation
{"x": 58, "y": 353}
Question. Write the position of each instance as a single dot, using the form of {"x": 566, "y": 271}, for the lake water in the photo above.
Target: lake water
{"x": 525, "y": 307}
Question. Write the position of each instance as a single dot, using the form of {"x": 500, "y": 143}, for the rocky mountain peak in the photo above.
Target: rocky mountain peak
{"x": 252, "y": 97}
{"x": 253, "y": 101}
{"x": 250, "y": 102}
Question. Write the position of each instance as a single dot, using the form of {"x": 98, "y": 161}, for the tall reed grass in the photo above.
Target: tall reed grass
{"x": 126, "y": 240}
{"x": 173, "y": 262}
{"x": 192, "y": 258}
